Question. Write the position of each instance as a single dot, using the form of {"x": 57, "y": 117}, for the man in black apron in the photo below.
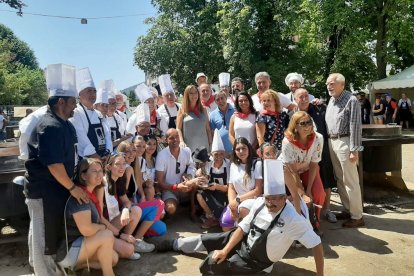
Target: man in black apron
{"x": 168, "y": 111}
{"x": 260, "y": 240}
{"x": 50, "y": 167}
{"x": 94, "y": 138}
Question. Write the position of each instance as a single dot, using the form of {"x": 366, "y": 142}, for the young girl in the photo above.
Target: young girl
{"x": 245, "y": 184}
{"x": 149, "y": 159}
{"x": 140, "y": 169}
{"x": 151, "y": 209}
{"x": 83, "y": 226}
{"x": 114, "y": 199}
{"x": 270, "y": 122}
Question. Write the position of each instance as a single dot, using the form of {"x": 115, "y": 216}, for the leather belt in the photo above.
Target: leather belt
{"x": 337, "y": 136}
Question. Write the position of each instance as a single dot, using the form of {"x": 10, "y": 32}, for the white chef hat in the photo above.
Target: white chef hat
{"x": 165, "y": 84}
{"x": 143, "y": 92}
{"x": 108, "y": 85}
{"x": 111, "y": 95}
{"x": 61, "y": 80}
{"x": 224, "y": 79}
{"x": 101, "y": 96}
{"x": 274, "y": 180}
{"x": 217, "y": 144}
{"x": 294, "y": 76}
{"x": 200, "y": 75}
{"x": 143, "y": 113}
{"x": 84, "y": 79}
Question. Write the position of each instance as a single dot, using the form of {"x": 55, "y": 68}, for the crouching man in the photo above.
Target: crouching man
{"x": 261, "y": 238}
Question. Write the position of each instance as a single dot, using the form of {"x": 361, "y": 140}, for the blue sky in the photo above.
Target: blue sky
{"x": 104, "y": 45}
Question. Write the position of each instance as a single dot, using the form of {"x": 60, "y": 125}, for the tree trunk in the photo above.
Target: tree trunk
{"x": 380, "y": 48}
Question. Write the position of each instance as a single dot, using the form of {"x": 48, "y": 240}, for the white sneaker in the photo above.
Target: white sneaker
{"x": 330, "y": 216}
{"x": 143, "y": 247}
{"x": 134, "y": 257}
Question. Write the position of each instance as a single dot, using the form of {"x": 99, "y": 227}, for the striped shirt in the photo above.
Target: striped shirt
{"x": 343, "y": 116}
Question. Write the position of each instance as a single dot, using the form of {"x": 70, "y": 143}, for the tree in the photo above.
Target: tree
{"x": 15, "y": 4}
{"x": 22, "y": 82}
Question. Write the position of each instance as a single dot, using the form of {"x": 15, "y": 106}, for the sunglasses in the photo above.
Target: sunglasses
{"x": 307, "y": 123}
{"x": 177, "y": 167}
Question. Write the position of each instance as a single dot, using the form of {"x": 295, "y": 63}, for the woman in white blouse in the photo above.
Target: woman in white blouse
{"x": 245, "y": 184}
{"x": 301, "y": 153}
{"x": 243, "y": 121}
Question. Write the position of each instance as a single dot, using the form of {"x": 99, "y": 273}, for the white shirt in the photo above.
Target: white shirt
{"x": 226, "y": 164}
{"x": 245, "y": 128}
{"x": 407, "y": 100}
{"x": 80, "y": 122}
{"x": 166, "y": 162}
{"x": 124, "y": 118}
{"x": 237, "y": 173}
{"x": 290, "y": 96}
{"x": 292, "y": 154}
{"x": 212, "y": 107}
{"x": 26, "y": 126}
{"x": 111, "y": 123}
{"x": 1, "y": 121}
{"x": 284, "y": 101}
{"x": 290, "y": 227}
{"x": 163, "y": 115}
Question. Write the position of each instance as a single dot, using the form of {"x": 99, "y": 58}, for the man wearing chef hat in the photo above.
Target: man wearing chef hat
{"x": 169, "y": 110}
{"x": 94, "y": 138}
{"x": 295, "y": 81}
{"x": 49, "y": 168}
{"x": 261, "y": 238}
{"x": 139, "y": 122}
{"x": 201, "y": 78}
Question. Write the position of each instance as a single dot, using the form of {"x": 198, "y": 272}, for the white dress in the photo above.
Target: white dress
{"x": 245, "y": 128}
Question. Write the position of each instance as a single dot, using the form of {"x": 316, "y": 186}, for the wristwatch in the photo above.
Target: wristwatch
{"x": 238, "y": 200}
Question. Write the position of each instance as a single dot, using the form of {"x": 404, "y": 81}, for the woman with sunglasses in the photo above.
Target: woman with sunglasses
{"x": 120, "y": 215}
{"x": 245, "y": 184}
{"x": 301, "y": 153}
{"x": 193, "y": 122}
{"x": 270, "y": 124}
{"x": 87, "y": 239}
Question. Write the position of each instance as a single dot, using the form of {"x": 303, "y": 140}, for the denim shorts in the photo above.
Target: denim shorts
{"x": 71, "y": 259}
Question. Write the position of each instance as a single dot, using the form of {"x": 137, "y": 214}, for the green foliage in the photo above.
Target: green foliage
{"x": 15, "y": 4}
{"x": 313, "y": 37}
{"x": 133, "y": 101}
{"x": 22, "y": 82}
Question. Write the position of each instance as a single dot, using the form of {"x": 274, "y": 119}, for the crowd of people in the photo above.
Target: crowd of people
{"x": 101, "y": 179}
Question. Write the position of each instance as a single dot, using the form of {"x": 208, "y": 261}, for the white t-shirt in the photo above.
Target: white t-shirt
{"x": 163, "y": 115}
{"x": 245, "y": 128}
{"x": 290, "y": 96}
{"x": 290, "y": 227}
{"x": 237, "y": 173}
{"x": 167, "y": 163}
{"x": 226, "y": 164}
{"x": 292, "y": 154}
{"x": 112, "y": 124}
{"x": 284, "y": 101}
{"x": 1, "y": 121}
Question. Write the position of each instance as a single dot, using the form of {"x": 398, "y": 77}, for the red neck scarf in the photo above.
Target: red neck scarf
{"x": 153, "y": 117}
{"x": 297, "y": 143}
{"x": 268, "y": 112}
{"x": 195, "y": 111}
{"x": 95, "y": 201}
{"x": 242, "y": 115}
{"x": 122, "y": 108}
{"x": 209, "y": 102}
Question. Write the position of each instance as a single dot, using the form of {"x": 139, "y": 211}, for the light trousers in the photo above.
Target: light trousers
{"x": 346, "y": 174}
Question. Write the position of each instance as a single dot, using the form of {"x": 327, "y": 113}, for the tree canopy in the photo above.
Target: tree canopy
{"x": 22, "y": 82}
{"x": 313, "y": 37}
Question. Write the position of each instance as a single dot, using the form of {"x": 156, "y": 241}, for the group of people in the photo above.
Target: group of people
{"x": 101, "y": 179}
{"x": 386, "y": 110}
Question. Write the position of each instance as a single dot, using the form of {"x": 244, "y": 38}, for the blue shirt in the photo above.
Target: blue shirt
{"x": 217, "y": 119}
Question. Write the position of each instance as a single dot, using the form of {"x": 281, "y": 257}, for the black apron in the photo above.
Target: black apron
{"x": 216, "y": 200}
{"x": 171, "y": 120}
{"x": 115, "y": 133}
{"x": 96, "y": 135}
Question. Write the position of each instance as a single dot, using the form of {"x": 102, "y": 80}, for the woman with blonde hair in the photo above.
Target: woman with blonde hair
{"x": 270, "y": 124}
{"x": 192, "y": 121}
{"x": 301, "y": 153}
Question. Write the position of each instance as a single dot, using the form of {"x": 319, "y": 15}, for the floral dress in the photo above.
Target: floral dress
{"x": 273, "y": 123}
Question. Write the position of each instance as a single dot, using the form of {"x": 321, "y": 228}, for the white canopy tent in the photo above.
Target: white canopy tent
{"x": 404, "y": 79}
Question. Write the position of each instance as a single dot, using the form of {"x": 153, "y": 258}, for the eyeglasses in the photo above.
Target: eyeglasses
{"x": 120, "y": 165}
{"x": 177, "y": 167}
{"x": 307, "y": 123}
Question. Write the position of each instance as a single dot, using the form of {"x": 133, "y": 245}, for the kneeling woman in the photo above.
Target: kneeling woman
{"x": 123, "y": 222}
{"x": 246, "y": 183}
{"x": 301, "y": 153}
{"x": 88, "y": 242}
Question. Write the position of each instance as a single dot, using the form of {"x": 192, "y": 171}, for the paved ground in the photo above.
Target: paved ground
{"x": 383, "y": 247}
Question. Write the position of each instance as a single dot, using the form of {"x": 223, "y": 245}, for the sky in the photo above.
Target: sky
{"x": 106, "y": 46}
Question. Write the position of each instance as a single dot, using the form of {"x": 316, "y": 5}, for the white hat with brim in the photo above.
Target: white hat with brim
{"x": 200, "y": 75}
{"x": 61, "y": 80}
{"x": 274, "y": 180}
